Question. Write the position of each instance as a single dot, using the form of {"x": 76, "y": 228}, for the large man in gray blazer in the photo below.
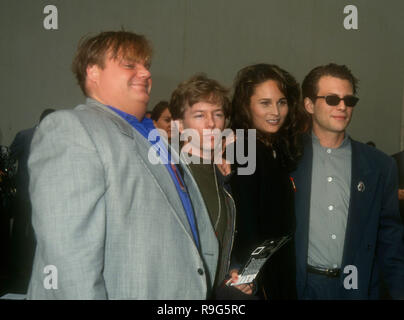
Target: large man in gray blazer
{"x": 111, "y": 224}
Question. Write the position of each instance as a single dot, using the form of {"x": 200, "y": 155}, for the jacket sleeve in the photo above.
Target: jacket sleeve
{"x": 67, "y": 190}
{"x": 390, "y": 247}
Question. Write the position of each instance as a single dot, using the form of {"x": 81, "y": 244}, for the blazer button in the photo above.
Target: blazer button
{"x": 200, "y": 271}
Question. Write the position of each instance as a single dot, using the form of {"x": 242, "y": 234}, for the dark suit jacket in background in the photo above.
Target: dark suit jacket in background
{"x": 19, "y": 149}
{"x": 22, "y": 233}
{"x": 374, "y": 233}
{"x": 399, "y": 157}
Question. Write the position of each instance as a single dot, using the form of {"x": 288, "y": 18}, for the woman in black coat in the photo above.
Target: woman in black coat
{"x": 267, "y": 99}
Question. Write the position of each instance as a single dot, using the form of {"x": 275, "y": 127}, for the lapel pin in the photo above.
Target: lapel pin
{"x": 361, "y": 186}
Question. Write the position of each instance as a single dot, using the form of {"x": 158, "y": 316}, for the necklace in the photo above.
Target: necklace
{"x": 218, "y": 198}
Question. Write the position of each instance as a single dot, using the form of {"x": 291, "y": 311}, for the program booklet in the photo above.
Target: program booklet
{"x": 258, "y": 258}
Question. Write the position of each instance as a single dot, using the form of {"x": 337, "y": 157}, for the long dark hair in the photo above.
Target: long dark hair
{"x": 288, "y": 137}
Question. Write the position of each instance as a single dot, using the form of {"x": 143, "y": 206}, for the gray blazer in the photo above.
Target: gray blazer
{"x": 111, "y": 222}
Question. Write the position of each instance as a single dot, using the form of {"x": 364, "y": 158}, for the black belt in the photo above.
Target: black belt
{"x": 332, "y": 273}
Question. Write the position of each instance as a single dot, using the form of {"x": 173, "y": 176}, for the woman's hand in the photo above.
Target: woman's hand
{"x": 246, "y": 288}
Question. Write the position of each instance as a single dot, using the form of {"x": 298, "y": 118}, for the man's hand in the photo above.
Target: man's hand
{"x": 225, "y": 166}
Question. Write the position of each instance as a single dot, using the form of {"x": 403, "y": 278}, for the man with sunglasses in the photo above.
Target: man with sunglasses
{"x": 349, "y": 236}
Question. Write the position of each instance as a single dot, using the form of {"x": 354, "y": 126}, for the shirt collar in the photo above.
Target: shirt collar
{"x": 344, "y": 143}
{"x": 144, "y": 126}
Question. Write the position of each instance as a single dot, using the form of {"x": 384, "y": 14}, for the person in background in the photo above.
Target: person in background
{"x": 399, "y": 158}
{"x": 7, "y": 194}
{"x": 22, "y": 234}
{"x": 266, "y": 99}
{"x": 161, "y": 117}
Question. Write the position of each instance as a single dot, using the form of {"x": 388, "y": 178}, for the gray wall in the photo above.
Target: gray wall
{"x": 216, "y": 37}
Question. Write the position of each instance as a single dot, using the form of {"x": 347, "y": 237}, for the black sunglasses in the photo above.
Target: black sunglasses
{"x": 334, "y": 100}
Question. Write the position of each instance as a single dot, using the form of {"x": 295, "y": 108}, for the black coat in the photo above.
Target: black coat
{"x": 399, "y": 157}
{"x": 265, "y": 209}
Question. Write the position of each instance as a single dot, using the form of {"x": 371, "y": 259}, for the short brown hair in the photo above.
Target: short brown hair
{"x": 310, "y": 82}
{"x": 120, "y": 44}
{"x": 199, "y": 88}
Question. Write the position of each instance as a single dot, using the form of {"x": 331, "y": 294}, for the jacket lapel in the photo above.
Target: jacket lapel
{"x": 363, "y": 183}
{"x": 163, "y": 178}
{"x": 158, "y": 171}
